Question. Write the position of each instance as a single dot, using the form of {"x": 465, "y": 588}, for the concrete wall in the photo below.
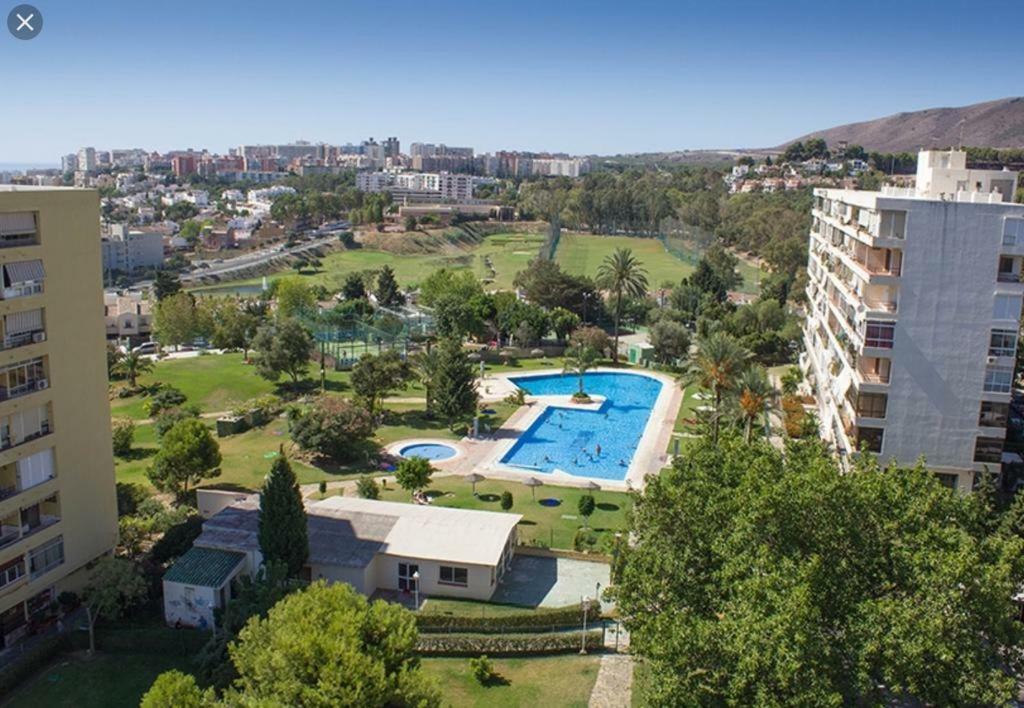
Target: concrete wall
{"x": 478, "y": 588}
{"x": 194, "y": 612}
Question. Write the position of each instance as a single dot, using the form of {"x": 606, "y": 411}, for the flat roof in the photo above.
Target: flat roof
{"x": 350, "y": 532}
{"x": 207, "y": 567}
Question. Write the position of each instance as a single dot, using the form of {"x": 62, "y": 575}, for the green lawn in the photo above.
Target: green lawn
{"x": 509, "y": 253}
{"x": 555, "y": 526}
{"x": 119, "y": 680}
{"x": 556, "y": 681}
{"x": 583, "y": 253}
{"x": 115, "y": 680}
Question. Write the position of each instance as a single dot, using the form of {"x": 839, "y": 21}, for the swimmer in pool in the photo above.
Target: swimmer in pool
{"x": 598, "y": 450}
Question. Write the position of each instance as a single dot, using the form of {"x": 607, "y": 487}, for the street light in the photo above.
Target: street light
{"x": 416, "y": 587}
{"x": 583, "y": 635}
{"x": 586, "y": 299}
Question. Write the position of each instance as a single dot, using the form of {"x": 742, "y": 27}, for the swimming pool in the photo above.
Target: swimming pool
{"x": 434, "y": 452}
{"x": 566, "y": 438}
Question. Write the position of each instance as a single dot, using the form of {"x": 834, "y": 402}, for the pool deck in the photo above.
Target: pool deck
{"x": 483, "y": 455}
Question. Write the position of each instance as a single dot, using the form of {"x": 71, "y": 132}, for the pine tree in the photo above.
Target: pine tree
{"x": 282, "y": 523}
{"x": 455, "y": 395}
{"x": 388, "y": 294}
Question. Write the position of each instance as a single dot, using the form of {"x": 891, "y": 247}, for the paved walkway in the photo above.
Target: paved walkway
{"x": 614, "y": 685}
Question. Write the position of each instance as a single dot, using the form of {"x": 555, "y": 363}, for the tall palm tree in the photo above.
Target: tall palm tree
{"x": 579, "y": 360}
{"x": 623, "y": 274}
{"x": 755, "y": 395}
{"x": 131, "y": 365}
{"x": 717, "y": 365}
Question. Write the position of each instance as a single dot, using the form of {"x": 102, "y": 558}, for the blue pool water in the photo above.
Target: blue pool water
{"x": 430, "y": 451}
{"x": 567, "y": 438}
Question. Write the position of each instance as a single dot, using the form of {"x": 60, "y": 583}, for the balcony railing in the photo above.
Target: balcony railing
{"x": 1008, "y": 277}
{"x": 13, "y": 341}
{"x": 40, "y": 384}
{"x": 23, "y": 290}
{"x": 18, "y": 240}
{"x": 881, "y": 305}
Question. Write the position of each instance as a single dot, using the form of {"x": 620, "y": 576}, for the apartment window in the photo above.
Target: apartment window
{"x": 22, "y": 378}
{"x": 994, "y": 415}
{"x": 1013, "y": 232}
{"x": 1002, "y": 342}
{"x": 1007, "y": 274}
{"x": 998, "y": 380}
{"x": 872, "y": 405}
{"x": 47, "y": 557}
{"x": 946, "y": 479}
{"x": 17, "y": 229}
{"x": 1007, "y": 307}
{"x": 988, "y": 450}
{"x": 879, "y": 334}
{"x": 12, "y": 571}
{"x": 450, "y": 575}
{"x": 870, "y": 439}
{"x": 893, "y": 224}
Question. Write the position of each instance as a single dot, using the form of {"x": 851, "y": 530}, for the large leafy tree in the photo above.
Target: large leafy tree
{"x": 716, "y": 366}
{"x": 165, "y": 284}
{"x": 455, "y": 394}
{"x": 544, "y": 283}
{"x": 671, "y": 341}
{"x": 413, "y": 474}
{"x": 758, "y": 577}
{"x": 116, "y": 584}
{"x": 375, "y": 377}
{"x": 282, "y": 534}
{"x": 188, "y": 454}
{"x": 179, "y": 321}
{"x": 294, "y": 298}
{"x": 333, "y": 427}
{"x": 283, "y": 349}
{"x": 326, "y": 645}
{"x": 622, "y": 274}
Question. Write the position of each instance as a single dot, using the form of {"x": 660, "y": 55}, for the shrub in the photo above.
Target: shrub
{"x": 169, "y": 417}
{"x": 177, "y": 539}
{"x": 516, "y": 398}
{"x": 368, "y": 488}
{"x": 483, "y": 669}
{"x": 507, "y": 644}
{"x": 150, "y": 506}
{"x": 123, "y": 435}
{"x": 129, "y": 496}
{"x": 166, "y": 397}
{"x": 322, "y": 487}
{"x": 584, "y": 540}
{"x": 506, "y": 500}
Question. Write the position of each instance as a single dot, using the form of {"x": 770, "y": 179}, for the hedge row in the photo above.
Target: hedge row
{"x": 549, "y": 619}
{"x": 507, "y": 644}
{"x": 32, "y": 660}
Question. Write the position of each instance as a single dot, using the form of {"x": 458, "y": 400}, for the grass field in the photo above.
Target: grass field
{"x": 582, "y": 254}
{"x": 119, "y": 680}
{"x": 552, "y": 525}
{"x": 508, "y": 253}
{"x": 556, "y": 681}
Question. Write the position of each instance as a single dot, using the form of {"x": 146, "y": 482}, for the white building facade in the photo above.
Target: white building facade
{"x": 914, "y": 309}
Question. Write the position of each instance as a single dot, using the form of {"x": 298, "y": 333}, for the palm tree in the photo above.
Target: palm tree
{"x": 131, "y": 365}
{"x": 755, "y": 395}
{"x": 425, "y": 366}
{"x": 716, "y": 366}
{"x": 579, "y": 360}
{"x": 623, "y": 274}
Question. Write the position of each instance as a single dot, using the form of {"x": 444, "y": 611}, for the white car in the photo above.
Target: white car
{"x": 147, "y": 348}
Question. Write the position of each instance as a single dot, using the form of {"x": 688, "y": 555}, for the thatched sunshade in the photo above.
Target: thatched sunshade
{"x": 473, "y": 478}
{"x": 533, "y": 483}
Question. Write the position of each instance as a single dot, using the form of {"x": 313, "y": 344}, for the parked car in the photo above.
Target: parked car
{"x": 147, "y": 348}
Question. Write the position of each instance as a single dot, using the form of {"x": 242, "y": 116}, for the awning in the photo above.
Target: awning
{"x": 24, "y": 271}
{"x": 19, "y": 222}
{"x": 19, "y": 322}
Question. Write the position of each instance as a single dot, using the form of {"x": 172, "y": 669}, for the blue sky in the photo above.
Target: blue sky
{"x": 582, "y": 77}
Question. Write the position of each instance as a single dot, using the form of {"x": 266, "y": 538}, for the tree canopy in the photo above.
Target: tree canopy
{"x": 762, "y": 578}
{"x": 283, "y": 535}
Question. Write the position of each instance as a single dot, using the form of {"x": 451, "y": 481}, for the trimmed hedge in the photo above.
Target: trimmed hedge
{"x": 507, "y": 644}
{"x": 31, "y": 661}
{"x": 549, "y": 619}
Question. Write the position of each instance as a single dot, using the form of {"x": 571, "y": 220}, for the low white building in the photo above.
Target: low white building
{"x": 372, "y": 545}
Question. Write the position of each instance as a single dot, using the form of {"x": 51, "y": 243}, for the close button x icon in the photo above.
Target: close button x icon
{"x": 25, "y": 22}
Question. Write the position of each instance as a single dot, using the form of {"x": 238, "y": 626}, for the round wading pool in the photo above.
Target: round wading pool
{"x": 431, "y": 451}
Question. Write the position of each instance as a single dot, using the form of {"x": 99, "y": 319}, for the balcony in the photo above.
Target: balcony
{"x": 29, "y": 521}
{"x": 18, "y": 229}
{"x": 31, "y": 386}
{"x": 1008, "y": 277}
{"x": 22, "y": 339}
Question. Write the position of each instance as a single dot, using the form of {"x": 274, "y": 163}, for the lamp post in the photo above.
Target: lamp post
{"x": 586, "y": 299}
{"x": 416, "y": 587}
{"x": 583, "y": 635}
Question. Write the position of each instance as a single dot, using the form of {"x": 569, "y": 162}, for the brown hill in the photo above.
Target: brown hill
{"x": 998, "y": 124}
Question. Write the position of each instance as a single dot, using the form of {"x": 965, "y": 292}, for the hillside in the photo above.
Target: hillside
{"x": 998, "y": 124}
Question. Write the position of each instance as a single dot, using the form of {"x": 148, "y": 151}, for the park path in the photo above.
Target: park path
{"x": 614, "y": 685}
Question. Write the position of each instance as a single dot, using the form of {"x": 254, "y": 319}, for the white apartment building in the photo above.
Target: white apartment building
{"x": 128, "y": 251}
{"x": 87, "y": 159}
{"x": 915, "y": 303}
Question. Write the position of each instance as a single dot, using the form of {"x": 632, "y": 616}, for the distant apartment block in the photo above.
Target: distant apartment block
{"x": 914, "y": 312}
{"x": 57, "y": 504}
{"x": 130, "y": 251}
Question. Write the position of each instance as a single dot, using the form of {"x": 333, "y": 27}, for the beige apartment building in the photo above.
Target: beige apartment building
{"x": 58, "y": 511}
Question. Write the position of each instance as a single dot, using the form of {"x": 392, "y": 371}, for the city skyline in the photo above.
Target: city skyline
{"x": 594, "y": 78}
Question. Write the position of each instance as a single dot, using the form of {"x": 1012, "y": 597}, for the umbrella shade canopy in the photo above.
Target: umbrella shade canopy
{"x": 592, "y": 486}
{"x": 536, "y": 352}
{"x": 474, "y": 477}
{"x": 533, "y": 483}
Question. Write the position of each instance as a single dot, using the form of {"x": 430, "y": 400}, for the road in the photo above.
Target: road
{"x": 255, "y": 259}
